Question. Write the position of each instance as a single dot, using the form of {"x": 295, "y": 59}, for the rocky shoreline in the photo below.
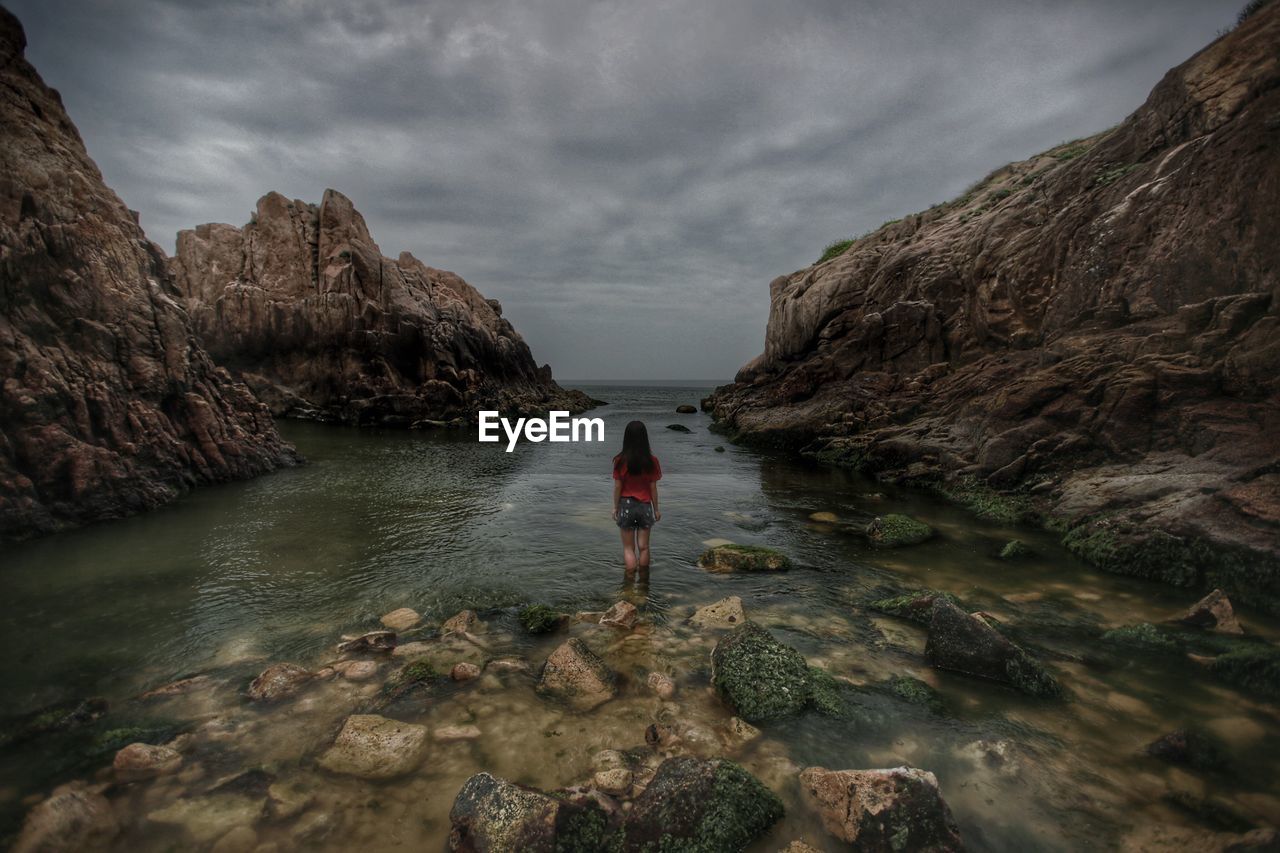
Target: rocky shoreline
{"x": 1071, "y": 342}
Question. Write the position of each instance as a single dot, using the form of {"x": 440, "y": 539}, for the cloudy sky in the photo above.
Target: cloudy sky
{"x": 626, "y": 177}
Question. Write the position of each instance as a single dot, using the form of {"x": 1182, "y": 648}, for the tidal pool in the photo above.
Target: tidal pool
{"x": 233, "y": 578}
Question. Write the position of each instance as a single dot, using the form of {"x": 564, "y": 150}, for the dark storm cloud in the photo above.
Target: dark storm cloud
{"x": 626, "y": 177}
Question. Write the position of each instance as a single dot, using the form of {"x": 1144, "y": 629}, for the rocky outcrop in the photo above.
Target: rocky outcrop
{"x": 1096, "y": 329}
{"x": 301, "y": 304}
{"x": 108, "y": 403}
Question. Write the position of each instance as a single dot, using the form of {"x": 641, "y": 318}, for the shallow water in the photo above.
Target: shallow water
{"x": 234, "y": 577}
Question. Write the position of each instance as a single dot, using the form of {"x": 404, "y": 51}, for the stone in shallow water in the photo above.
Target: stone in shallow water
{"x": 895, "y": 809}
{"x": 412, "y": 650}
{"x": 895, "y": 531}
{"x": 761, "y": 678}
{"x": 462, "y": 622}
{"x": 356, "y": 670}
{"x": 824, "y": 517}
{"x": 743, "y": 558}
{"x": 374, "y": 747}
{"x": 205, "y": 819}
{"x": 662, "y": 684}
{"x": 491, "y": 815}
{"x": 685, "y": 409}
{"x": 73, "y": 817}
{"x": 373, "y": 641}
{"x": 963, "y": 643}
{"x": 1215, "y": 613}
{"x": 401, "y": 619}
{"x": 278, "y": 681}
{"x": 725, "y": 613}
{"x": 574, "y": 673}
{"x": 181, "y": 687}
{"x": 621, "y": 615}
{"x": 464, "y": 671}
{"x": 139, "y": 761}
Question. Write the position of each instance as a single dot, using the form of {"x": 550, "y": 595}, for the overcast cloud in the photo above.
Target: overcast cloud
{"x": 626, "y": 177}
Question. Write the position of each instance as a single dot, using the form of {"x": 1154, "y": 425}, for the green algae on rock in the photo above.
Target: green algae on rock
{"x": 743, "y": 558}
{"x": 540, "y": 619}
{"x": 895, "y": 531}
{"x": 914, "y": 606}
{"x": 491, "y": 814}
{"x": 1143, "y": 635}
{"x": 1255, "y": 669}
{"x": 761, "y": 678}
{"x": 1016, "y": 549}
{"x": 916, "y": 692}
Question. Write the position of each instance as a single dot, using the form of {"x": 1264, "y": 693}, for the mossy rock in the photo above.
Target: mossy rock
{"x": 985, "y": 502}
{"x": 1016, "y": 549}
{"x": 698, "y": 806}
{"x": 408, "y": 678}
{"x": 896, "y": 531}
{"x": 826, "y": 695}
{"x": 540, "y": 619}
{"x": 1151, "y": 554}
{"x": 916, "y": 692}
{"x": 1145, "y": 636}
{"x": 761, "y": 678}
{"x": 743, "y": 558}
{"x": 913, "y": 606}
{"x": 55, "y": 718}
{"x": 1254, "y": 669}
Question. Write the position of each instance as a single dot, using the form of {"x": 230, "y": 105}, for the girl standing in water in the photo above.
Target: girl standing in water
{"x": 636, "y": 473}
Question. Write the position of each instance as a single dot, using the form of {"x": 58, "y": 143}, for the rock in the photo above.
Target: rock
{"x": 662, "y": 684}
{"x": 462, "y": 622}
{"x": 242, "y": 839}
{"x": 740, "y": 731}
{"x": 1016, "y": 549}
{"x": 402, "y": 619}
{"x": 289, "y": 799}
{"x": 492, "y": 815}
{"x": 1143, "y": 635}
{"x": 686, "y": 409}
{"x": 409, "y": 651}
{"x": 373, "y": 747}
{"x": 323, "y": 326}
{"x": 56, "y": 718}
{"x": 373, "y": 641}
{"x": 464, "y": 671}
{"x": 110, "y": 405}
{"x": 824, "y": 517}
{"x": 798, "y": 846}
{"x": 679, "y": 428}
{"x": 356, "y": 670}
{"x": 278, "y": 681}
{"x": 719, "y": 448}
{"x": 725, "y": 613}
{"x": 312, "y": 828}
{"x": 72, "y": 817}
{"x": 743, "y": 558}
{"x": 691, "y": 803}
{"x": 914, "y": 606}
{"x": 1187, "y": 746}
{"x": 540, "y": 619}
{"x": 615, "y": 782}
{"x": 139, "y": 761}
{"x": 621, "y": 615}
{"x": 908, "y": 358}
{"x": 574, "y": 673}
{"x": 963, "y": 643}
{"x": 1254, "y": 669}
{"x": 916, "y": 692}
{"x": 409, "y": 678}
{"x": 759, "y": 677}
{"x": 181, "y": 687}
{"x": 1215, "y": 613}
{"x": 896, "y": 531}
{"x": 449, "y": 734}
{"x": 897, "y": 809}
{"x": 205, "y": 819}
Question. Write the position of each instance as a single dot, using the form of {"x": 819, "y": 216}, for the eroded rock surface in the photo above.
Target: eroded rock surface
{"x": 1099, "y": 322}
{"x": 577, "y": 675}
{"x": 374, "y": 747}
{"x": 109, "y": 405}
{"x": 882, "y": 810}
{"x": 302, "y": 304}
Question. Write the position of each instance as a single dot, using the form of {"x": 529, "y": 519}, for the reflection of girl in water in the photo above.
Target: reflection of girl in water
{"x": 636, "y": 473}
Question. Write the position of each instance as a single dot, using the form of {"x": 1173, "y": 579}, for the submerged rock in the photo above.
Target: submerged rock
{"x": 914, "y": 606}
{"x": 73, "y": 817}
{"x": 374, "y": 747}
{"x": 181, "y": 687}
{"x": 882, "y": 810}
{"x": 1143, "y": 635}
{"x": 698, "y": 805}
{"x": 622, "y": 614}
{"x": 678, "y": 428}
{"x": 205, "y": 819}
{"x": 464, "y": 671}
{"x": 540, "y": 619}
{"x": 725, "y": 613}
{"x": 574, "y": 673}
{"x": 1187, "y": 746}
{"x": 408, "y": 678}
{"x": 916, "y": 692}
{"x": 401, "y": 619}
{"x": 373, "y": 641}
{"x": 462, "y": 622}
{"x": 492, "y": 815}
{"x": 686, "y": 409}
{"x": 356, "y": 670}
{"x": 964, "y": 643}
{"x": 278, "y": 681}
{"x": 896, "y": 531}
{"x": 1016, "y": 549}
{"x": 1255, "y": 669}
{"x": 1215, "y": 613}
{"x": 824, "y": 517}
{"x": 54, "y": 719}
{"x": 743, "y": 558}
{"x": 139, "y": 761}
{"x": 759, "y": 677}
{"x": 662, "y": 684}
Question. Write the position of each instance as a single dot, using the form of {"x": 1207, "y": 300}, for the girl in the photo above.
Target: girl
{"x": 636, "y": 473}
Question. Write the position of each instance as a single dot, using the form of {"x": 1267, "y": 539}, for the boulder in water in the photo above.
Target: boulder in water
{"x": 761, "y": 678}
{"x": 725, "y": 613}
{"x": 963, "y": 643}
{"x": 697, "y": 804}
{"x": 401, "y": 619}
{"x": 678, "y": 428}
{"x": 574, "y": 673}
{"x": 1215, "y": 613}
{"x": 139, "y": 761}
{"x": 492, "y": 815}
{"x": 895, "y": 531}
{"x": 278, "y": 681}
{"x": 896, "y": 809}
{"x": 73, "y": 817}
{"x": 374, "y": 747}
{"x": 686, "y": 409}
{"x": 743, "y": 558}
{"x": 621, "y": 615}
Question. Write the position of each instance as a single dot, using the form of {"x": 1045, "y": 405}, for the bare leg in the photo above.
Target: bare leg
{"x": 629, "y": 549}
{"x": 642, "y": 549}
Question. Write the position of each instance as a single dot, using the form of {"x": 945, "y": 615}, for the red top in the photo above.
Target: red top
{"x": 637, "y": 485}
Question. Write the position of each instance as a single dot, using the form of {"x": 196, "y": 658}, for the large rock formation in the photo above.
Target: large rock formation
{"x": 108, "y": 404}
{"x": 303, "y": 306}
{"x": 1096, "y": 328}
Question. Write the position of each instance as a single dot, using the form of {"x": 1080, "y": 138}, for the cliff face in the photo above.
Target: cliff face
{"x": 108, "y": 404}
{"x": 302, "y": 304}
{"x": 1095, "y": 331}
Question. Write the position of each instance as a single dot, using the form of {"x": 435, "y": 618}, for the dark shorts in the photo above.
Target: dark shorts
{"x": 634, "y": 514}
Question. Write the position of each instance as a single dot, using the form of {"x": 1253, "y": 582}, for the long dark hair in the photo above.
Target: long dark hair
{"x": 635, "y": 455}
